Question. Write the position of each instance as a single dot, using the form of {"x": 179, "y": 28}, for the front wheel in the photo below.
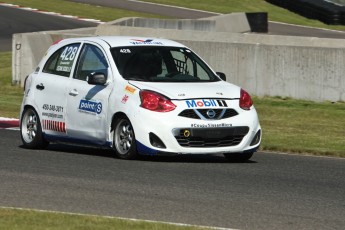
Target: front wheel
{"x": 238, "y": 157}
{"x": 31, "y": 130}
{"x": 124, "y": 139}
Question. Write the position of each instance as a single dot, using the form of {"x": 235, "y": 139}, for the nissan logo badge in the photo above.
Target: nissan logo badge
{"x": 211, "y": 113}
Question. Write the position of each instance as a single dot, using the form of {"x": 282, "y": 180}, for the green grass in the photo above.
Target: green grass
{"x": 229, "y": 6}
{"x": 10, "y": 96}
{"x": 104, "y": 14}
{"x": 302, "y": 126}
{"x": 18, "y": 219}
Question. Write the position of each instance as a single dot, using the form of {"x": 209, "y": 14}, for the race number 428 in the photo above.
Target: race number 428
{"x": 69, "y": 53}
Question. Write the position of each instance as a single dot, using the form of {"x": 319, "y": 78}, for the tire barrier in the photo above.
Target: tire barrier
{"x": 258, "y": 22}
{"x": 322, "y": 10}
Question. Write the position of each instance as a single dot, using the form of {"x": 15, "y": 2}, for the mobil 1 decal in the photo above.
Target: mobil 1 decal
{"x": 206, "y": 103}
{"x": 67, "y": 57}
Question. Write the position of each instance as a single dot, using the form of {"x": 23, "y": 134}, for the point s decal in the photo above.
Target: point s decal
{"x": 90, "y": 106}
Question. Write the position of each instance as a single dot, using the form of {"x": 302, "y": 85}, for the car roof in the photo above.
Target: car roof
{"x": 120, "y": 41}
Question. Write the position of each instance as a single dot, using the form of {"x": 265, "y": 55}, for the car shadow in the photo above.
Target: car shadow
{"x": 109, "y": 153}
{"x": 191, "y": 158}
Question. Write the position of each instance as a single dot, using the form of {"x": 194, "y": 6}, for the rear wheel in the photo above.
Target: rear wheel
{"x": 238, "y": 157}
{"x": 31, "y": 130}
{"x": 124, "y": 139}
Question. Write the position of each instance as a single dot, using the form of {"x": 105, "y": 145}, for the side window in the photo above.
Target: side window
{"x": 202, "y": 74}
{"x": 181, "y": 62}
{"x": 61, "y": 62}
{"x": 186, "y": 64}
{"x": 92, "y": 59}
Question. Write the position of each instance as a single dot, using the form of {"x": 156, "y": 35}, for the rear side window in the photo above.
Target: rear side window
{"x": 61, "y": 62}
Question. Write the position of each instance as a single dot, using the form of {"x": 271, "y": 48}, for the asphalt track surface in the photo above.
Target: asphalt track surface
{"x": 14, "y": 20}
{"x": 272, "y": 191}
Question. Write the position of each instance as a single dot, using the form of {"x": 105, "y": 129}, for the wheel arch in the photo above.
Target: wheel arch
{"x": 29, "y": 106}
{"x": 32, "y": 135}
{"x": 131, "y": 153}
{"x": 115, "y": 117}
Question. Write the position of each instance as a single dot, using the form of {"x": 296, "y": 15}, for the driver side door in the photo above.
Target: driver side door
{"x": 87, "y": 104}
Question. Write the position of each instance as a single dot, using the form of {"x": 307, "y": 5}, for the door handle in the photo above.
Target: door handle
{"x": 40, "y": 86}
{"x": 73, "y": 92}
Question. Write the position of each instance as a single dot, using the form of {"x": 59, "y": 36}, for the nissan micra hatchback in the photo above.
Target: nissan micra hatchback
{"x": 137, "y": 96}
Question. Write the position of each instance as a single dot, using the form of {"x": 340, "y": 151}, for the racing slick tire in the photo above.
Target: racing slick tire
{"x": 238, "y": 157}
{"x": 124, "y": 142}
{"x": 31, "y": 130}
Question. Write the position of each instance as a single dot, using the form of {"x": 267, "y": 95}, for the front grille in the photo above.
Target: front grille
{"x": 202, "y": 113}
{"x": 211, "y": 137}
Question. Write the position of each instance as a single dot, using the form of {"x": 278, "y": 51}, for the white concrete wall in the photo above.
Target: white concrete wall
{"x": 310, "y": 73}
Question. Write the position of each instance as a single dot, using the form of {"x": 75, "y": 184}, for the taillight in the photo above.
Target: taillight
{"x": 155, "y": 102}
{"x": 245, "y": 100}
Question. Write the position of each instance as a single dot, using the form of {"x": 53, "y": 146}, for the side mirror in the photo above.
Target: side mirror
{"x": 96, "y": 78}
{"x": 221, "y": 75}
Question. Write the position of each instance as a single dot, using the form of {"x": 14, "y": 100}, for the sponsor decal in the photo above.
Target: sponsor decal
{"x": 125, "y": 51}
{"x": 52, "y": 115}
{"x": 211, "y": 125}
{"x": 56, "y": 126}
{"x": 54, "y": 108}
{"x": 125, "y": 99}
{"x": 130, "y": 89}
{"x": 206, "y": 103}
{"x": 145, "y": 42}
{"x": 90, "y": 106}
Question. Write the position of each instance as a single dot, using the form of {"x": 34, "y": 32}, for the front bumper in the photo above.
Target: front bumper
{"x": 179, "y": 135}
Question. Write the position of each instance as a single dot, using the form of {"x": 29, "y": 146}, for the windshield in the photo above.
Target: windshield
{"x": 161, "y": 64}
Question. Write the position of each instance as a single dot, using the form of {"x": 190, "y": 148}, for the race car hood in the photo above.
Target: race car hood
{"x": 178, "y": 91}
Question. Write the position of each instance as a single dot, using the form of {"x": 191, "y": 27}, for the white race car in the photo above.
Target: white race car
{"x": 137, "y": 96}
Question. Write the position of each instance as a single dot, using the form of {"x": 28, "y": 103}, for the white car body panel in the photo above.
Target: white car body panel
{"x": 73, "y": 110}
{"x": 188, "y": 90}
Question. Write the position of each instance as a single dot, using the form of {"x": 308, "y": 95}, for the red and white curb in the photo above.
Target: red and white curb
{"x": 50, "y": 13}
{"x": 9, "y": 123}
